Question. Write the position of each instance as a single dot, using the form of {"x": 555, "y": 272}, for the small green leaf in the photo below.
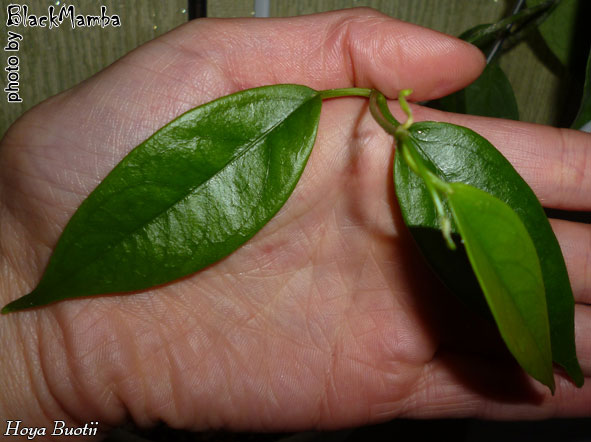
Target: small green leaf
{"x": 186, "y": 197}
{"x": 491, "y": 95}
{"x": 583, "y": 119}
{"x": 506, "y": 264}
{"x": 457, "y": 154}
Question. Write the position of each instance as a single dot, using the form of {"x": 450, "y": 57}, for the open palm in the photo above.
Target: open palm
{"x": 327, "y": 317}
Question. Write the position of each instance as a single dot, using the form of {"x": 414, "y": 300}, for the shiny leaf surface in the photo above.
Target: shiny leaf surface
{"x": 457, "y": 154}
{"x": 506, "y": 264}
{"x": 490, "y": 95}
{"x": 583, "y": 119}
{"x": 186, "y": 197}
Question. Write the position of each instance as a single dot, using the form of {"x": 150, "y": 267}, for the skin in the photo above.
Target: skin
{"x": 328, "y": 317}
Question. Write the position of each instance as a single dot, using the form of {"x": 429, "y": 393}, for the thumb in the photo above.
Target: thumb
{"x": 355, "y": 47}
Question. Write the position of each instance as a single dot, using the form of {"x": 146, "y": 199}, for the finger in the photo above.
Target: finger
{"x": 208, "y": 58}
{"x": 457, "y": 384}
{"x": 462, "y": 385}
{"x": 575, "y": 242}
{"x": 355, "y": 47}
{"x": 583, "y": 338}
{"x": 202, "y": 60}
{"x": 555, "y": 162}
{"x": 205, "y": 59}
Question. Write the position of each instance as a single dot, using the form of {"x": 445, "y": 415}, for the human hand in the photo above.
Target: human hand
{"x": 327, "y": 317}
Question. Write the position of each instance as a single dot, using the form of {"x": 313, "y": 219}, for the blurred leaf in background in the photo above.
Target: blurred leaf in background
{"x": 491, "y": 95}
{"x": 559, "y": 29}
{"x": 583, "y": 119}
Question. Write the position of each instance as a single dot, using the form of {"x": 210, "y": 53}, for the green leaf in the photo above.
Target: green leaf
{"x": 457, "y": 154}
{"x": 583, "y": 119}
{"x": 560, "y": 28}
{"x": 485, "y": 34}
{"x": 186, "y": 197}
{"x": 491, "y": 95}
{"x": 506, "y": 264}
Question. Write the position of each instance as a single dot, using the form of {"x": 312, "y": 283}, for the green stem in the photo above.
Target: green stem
{"x": 378, "y": 106}
{"x": 404, "y": 140}
{"x": 345, "y": 92}
{"x": 435, "y": 186}
{"x": 519, "y": 35}
{"x": 482, "y": 35}
{"x": 405, "y": 108}
{"x": 416, "y": 163}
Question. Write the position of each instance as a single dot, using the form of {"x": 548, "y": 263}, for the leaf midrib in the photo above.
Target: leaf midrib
{"x": 247, "y": 148}
{"x": 519, "y": 311}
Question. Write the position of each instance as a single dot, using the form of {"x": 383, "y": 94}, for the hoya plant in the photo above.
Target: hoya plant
{"x": 205, "y": 183}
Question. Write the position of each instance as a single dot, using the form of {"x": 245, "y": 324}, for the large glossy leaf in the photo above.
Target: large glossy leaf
{"x": 490, "y": 95}
{"x": 506, "y": 264}
{"x": 583, "y": 119}
{"x": 186, "y": 197}
{"x": 457, "y": 154}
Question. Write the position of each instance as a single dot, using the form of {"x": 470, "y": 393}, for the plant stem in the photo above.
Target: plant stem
{"x": 436, "y": 187}
{"x": 378, "y": 107}
{"x": 405, "y": 108}
{"x": 520, "y": 34}
{"x": 500, "y": 40}
{"x": 345, "y": 92}
{"x": 502, "y": 27}
{"x": 406, "y": 145}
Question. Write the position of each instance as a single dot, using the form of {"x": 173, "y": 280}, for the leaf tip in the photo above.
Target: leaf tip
{"x": 552, "y": 386}
{"x": 547, "y": 379}
{"x": 12, "y": 307}
{"x": 576, "y": 374}
{"x": 22, "y": 303}
{"x": 9, "y": 308}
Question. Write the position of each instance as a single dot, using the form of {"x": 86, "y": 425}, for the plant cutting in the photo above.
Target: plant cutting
{"x": 240, "y": 157}
{"x": 235, "y": 162}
